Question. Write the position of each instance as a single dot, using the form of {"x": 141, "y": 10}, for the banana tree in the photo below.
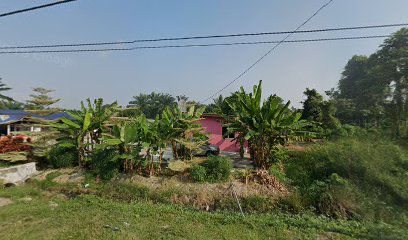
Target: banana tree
{"x": 83, "y": 129}
{"x": 74, "y": 133}
{"x": 264, "y": 125}
{"x": 125, "y": 139}
{"x": 182, "y": 130}
{"x": 129, "y": 138}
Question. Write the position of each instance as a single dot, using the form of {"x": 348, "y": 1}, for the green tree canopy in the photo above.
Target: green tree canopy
{"x": 152, "y": 104}
{"x": 373, "y": 91}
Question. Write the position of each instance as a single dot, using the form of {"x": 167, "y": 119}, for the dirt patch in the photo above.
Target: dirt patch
{"x": 5, "y": 201}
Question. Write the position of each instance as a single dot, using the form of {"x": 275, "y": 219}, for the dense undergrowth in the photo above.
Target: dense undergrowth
{"x": 359, "y": 178}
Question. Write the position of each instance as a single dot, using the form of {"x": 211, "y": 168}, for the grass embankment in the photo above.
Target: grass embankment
{"x": 39, "y": 211}
{"x": 342, "y": 189}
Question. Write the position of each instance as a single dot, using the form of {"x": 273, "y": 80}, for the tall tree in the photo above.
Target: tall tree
{"x": 373, "y": 90}
{"x": 312, "y": 106}
{"x": 41, "y": 100}
{"x": 393, "y": 58}
{"x": 152, "y": 104}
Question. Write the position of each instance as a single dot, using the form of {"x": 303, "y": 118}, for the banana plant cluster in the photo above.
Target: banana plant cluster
{"x": 264, "y": 125}
{"x": 182, "y": 130}
{"x": 128, "y": 139}
{"x": 83, "y": 130}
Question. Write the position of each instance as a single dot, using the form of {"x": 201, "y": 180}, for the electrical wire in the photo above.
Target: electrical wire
{"x": 35, "y": 8}
{"x": 193, "y": 45}
{"x": 268, "y": 52}
{"x": 205, "y": 37}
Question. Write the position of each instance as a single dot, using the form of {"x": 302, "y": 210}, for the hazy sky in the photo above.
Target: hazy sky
{"x": 195, "y": 72}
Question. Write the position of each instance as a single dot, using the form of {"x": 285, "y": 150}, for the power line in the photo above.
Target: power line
{"x": 205, "y": 37}
{"x": 268, "y": 52}
{"x": 193, "y": 45}
{"x": 36, "y": 7}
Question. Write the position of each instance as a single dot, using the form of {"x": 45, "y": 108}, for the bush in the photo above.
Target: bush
{"x": 62, "y": 157}
{"x": 218, "y": 168}
{"x": 198, "y": 173}
{"x": 215, "y": 169}
{"x": 104, "y": 164}
{"x": 13, "y": 144}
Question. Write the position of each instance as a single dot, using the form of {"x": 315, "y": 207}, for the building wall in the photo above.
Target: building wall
{"x": 213, "y": 126}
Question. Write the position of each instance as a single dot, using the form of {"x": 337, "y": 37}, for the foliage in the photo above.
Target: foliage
{"x": 315, "y": 109}
{"x": 265, "y": 126}
{"x": 153, "y": 104}
{"x": 276, "y": 170}
{"x": 104, "y": 163}
{"x": 85, "y": 126}
{"x": 353, "y": 177}
{"x": 373, "y": 90}
{"x": 215, "y": 169}
{"x": 14, "y": 157}
{"x": 128, "y": 140}
{"x": 182, "y": 130}
{"x": 61, "y": 156}
{"x": 198, "y": 173}
{"x": 13, "y": 144}
{"x": 220, "y": 106}
{"x": 4, "y": 88}
{"x": 41, "y": 100}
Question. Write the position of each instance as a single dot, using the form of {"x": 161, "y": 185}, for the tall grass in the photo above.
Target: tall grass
{"x": 358, "y": 177}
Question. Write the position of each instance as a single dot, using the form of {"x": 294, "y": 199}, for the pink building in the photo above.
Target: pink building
{"x": 213, "y": 125}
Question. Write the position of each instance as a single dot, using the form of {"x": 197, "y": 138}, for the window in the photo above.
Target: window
{"x": 225, "y": 133}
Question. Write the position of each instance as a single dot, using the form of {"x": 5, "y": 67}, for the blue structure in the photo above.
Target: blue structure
{"x": 18, "y": 120}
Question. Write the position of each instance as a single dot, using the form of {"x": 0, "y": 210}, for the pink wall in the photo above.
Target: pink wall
{"x": 213, "y": 126}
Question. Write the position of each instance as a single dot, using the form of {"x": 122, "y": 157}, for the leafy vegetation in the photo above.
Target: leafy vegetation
{"x": 60, "y": 156}
{"x": 264, "y": 126}
{"x": 215, "y": 169}
{"x": 352, "y": 178}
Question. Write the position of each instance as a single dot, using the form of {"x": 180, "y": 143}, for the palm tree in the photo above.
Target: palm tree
{"x": 3, "y": 88}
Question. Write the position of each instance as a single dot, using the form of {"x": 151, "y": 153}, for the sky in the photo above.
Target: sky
{"x": 194, "y": 72}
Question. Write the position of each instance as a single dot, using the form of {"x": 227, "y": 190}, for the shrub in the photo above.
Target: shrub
{"x": 13, "y": 144}
{"x": 215, "y": 169}
{"x": 218, "y": 169}
{"x": 198, "y": 173}
{"x": 104, "y": 163}
{"x": 62, "y": 157}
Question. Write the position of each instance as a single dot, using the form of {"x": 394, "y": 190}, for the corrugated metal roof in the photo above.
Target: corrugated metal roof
{"x": 56, "y": 116}
{"x": 10, "y": 116}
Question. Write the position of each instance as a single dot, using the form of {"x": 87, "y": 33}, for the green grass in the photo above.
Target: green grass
{"x": 86, "y": 217}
